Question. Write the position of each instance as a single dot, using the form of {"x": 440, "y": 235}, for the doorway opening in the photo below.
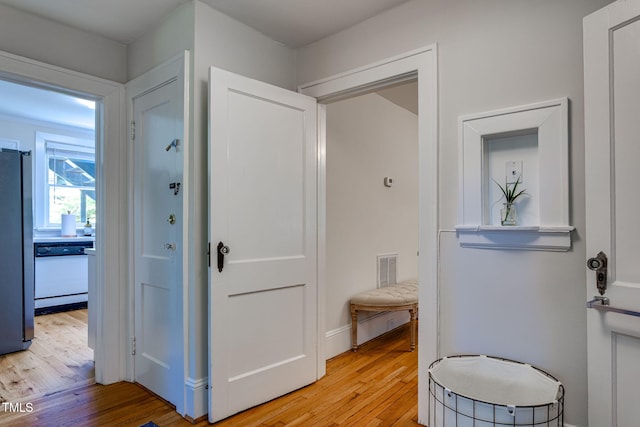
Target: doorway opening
{"x": 59, "y": 130}
{"x": 371, "y": 204}
{"x": 421, "y": 64}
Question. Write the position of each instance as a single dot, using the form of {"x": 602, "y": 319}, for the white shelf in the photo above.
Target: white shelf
{"x": 539, "y": 238}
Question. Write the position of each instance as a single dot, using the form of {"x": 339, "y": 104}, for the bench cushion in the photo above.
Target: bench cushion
{"x": 402, "y": 293}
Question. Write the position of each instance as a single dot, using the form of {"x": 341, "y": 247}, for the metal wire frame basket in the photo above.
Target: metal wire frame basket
{"x": 449, "y": 408}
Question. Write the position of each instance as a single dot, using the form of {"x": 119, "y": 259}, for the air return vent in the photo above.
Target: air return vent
{"x": 387, "y": 270}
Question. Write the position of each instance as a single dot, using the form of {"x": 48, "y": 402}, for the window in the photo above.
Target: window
{"x": 71, "y": 182}
{"x": 65, "y": 179}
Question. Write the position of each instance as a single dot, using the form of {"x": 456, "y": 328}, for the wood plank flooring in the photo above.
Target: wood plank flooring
{"x": 58, "y": 358}
{"x": 377, "y": 386}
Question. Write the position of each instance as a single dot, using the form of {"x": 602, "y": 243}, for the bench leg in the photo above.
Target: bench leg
{"x": 413, "y": 325}
{"x": 354, "y": 329}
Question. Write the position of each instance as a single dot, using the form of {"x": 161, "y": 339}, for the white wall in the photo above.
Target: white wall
{"x": 170, "y": 37}
{"x": 213, "y": 39}
{"x": 47, "y": 41}
{"x": 228, "y": 44}
{"x": 368, "y": 138}
{"x": 24, "y": 131}
{"x": 493, "y": 54}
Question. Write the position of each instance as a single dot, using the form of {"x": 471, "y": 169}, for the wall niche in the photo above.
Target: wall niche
{"x": 528, "y": 144}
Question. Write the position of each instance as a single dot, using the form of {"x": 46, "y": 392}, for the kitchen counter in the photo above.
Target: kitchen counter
{"x": 61, "y": 279}
{"x": 51, "y": 239}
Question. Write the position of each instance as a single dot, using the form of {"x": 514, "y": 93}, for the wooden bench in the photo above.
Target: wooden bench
{"x": 398, "y": 297}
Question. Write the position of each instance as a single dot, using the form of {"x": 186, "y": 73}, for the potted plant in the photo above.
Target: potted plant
{"x": 511, "y": 192}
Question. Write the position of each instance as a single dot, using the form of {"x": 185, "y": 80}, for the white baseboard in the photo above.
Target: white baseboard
{"x": 197, "y": 398}
{"x": 338, "y": 340}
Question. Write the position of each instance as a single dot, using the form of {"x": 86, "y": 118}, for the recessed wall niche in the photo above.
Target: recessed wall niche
{"x": 509, "y": 157}
{"x": 530, "y": 142}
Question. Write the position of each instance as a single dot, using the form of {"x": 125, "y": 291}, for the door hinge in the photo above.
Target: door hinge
{"x": 133, "y": 346}
{"x": 209, "y": 254}
{"x": 133, "y": 130}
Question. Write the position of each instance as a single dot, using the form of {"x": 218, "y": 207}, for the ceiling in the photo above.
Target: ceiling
{"x": 405, "y": 95}
{"x": 32, "y": 103}
{"x": 120, "y": 20}
{"x": 298, "y": 23}
{"x": 292, "y": 22}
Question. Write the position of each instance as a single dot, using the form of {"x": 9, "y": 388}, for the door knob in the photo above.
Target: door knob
{"x": 172, "y": 219}
{"x": 222, "y": 251}
{"x": 599, "y": 265}
{"x": 170, "y": 246}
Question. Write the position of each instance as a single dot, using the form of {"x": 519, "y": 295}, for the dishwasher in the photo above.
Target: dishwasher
{"x": 61, "y": 275}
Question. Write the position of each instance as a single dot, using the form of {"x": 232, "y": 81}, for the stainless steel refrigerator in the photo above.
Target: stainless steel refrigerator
{"x": 16, "y": 251}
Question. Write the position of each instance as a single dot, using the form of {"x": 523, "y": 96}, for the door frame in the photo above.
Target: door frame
{"x": 420, "y": 63}
{"x": 175, "y": 68}
{"x": 111, "y": 161}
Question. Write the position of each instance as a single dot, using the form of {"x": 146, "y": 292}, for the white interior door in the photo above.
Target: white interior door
{"x": 612, "y": 131}
{"x": 263, "y": 303}
{"x": 158, "y": 157}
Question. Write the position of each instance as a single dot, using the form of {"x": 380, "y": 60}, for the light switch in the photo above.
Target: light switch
{"x": 513, "y": 171}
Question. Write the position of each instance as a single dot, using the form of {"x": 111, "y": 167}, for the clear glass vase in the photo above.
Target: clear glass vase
{"x": 508, "y": 214}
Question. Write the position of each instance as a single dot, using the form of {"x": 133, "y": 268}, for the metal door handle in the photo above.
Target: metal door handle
{"x": 175, "y": 186}
{"x": 172, "y": 144}
{"x": 602, "y": 304}
{"x": 222, "y": 251}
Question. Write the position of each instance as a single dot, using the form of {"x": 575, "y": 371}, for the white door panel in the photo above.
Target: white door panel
{"x": 155, "y": 272}
{"x": 260, "y": 173}
{"x": 158, "y": 113}
{"x": 263, "y": 304}
{"x": 612, "y": 129}
{"x": 626, "y": 149}
{"x": 627, "y": 378}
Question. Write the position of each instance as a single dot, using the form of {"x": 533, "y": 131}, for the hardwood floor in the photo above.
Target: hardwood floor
{"x": 377, "y": 386}
{"x": 58, "y": 358}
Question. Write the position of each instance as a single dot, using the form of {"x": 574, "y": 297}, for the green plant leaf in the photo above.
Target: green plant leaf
{"x": 510, "y": 193}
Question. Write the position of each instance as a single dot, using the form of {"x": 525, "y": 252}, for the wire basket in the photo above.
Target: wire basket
{"x": 485, "y": 391}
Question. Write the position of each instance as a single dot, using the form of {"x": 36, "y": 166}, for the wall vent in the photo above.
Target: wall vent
{"x": 387, "y": 266}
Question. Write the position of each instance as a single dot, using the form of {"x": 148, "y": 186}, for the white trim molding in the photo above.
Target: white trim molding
{"x": 517, "y": 237}
{"x": 111, "y": 168}
{"x": 339, "y": 340}
{"x": 196, "y": 395}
